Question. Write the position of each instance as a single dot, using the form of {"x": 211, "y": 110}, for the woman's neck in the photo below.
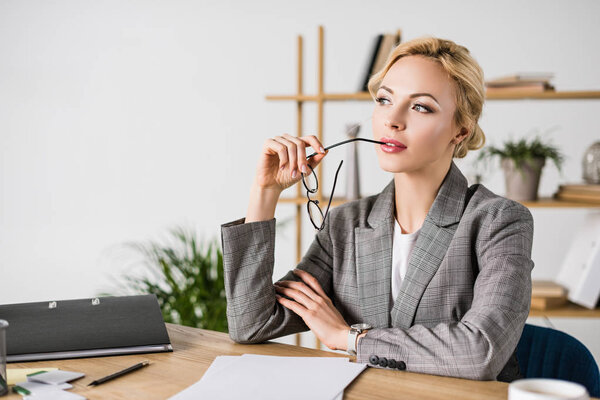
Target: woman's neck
{"x": 415, "y": 193}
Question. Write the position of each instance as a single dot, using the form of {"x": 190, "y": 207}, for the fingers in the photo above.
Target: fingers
{"x": 281, "y": 151}
{"x": 311, "y": 281}
{"x": 299, "y": 287}
{"x": 292, "y": 152}
{"x": 313, "y": 142}
{"x": 292, "y": 305}
{"x": 297, "y": 295}
{"x": 316, "y": 145}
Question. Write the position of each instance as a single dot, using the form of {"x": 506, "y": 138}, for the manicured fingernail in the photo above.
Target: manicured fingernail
{"x": 322, "y": 150}
{"x": 304, "y": 169}
{"x": 294, "y": 174}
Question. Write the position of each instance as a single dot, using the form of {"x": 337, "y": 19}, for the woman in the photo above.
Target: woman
{"x": 440, "y": 272}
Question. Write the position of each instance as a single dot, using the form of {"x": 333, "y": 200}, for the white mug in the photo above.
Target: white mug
{"x": 546, "y": 389}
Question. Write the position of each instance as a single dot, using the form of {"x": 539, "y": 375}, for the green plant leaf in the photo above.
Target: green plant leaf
{"x": 187, "y": 278}
{"x": 521, "y": 151}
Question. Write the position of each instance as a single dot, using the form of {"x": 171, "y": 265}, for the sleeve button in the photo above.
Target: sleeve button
{"x": 383, "y": 362}
{"x": 401, "y": 365}
{"x": 392, "y": 363}
{"x": 374, "y": 359}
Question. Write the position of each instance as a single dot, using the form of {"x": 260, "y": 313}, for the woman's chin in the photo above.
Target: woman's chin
{"x": 392, "y": 166}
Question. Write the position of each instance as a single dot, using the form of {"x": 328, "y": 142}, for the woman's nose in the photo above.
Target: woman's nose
{"x": 395, "y": 123}
{"x": 395, "y": 120}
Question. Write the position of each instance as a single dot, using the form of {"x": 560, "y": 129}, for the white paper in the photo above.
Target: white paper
{"x": 35, "y": 387}
{"x": 55, "y": 395}
{"x": 55, "y": 377}
{"x": 268, "y": 377}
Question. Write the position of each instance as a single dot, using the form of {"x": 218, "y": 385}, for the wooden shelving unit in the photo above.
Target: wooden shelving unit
{"x": 362, "y": 96}
{"x": 571, "y": 310}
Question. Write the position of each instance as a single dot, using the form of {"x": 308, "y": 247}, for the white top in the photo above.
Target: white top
{"x": 402, "y": 249}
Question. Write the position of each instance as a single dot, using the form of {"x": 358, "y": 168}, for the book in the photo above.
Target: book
{"x": 516, "y": 84}
{"x": 383, "y": 46}
{"x": 547, "y": 294}
{"x": 371, "y": 63}
{"x": 582, "y": 188}
{"x": 578, "y": 197}
{"x": 547, "y": 288}
{"x": 388, "y": 43}
{"x": 522, "y": 77}
{"x": 546, "y": 303}
{"x": 583, "y": 193}
{"x": 530, "y": 88}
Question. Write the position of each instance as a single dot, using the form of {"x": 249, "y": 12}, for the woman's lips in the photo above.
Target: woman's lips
{"x": 392, "y": 146}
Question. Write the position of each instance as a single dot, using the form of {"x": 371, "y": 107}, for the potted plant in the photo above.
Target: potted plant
{"x": 185, "y": 275}
{"x": 522, "y": 162}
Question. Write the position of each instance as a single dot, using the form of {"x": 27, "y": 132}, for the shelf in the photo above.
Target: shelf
{"x": 569, "y": 310}
{"x": 549, "y": 202}
{"x": 337, "y": 201}
{"x": 565, "y": 95}
{"x": 363, "y": 96}
{"x": 541, "y": 203}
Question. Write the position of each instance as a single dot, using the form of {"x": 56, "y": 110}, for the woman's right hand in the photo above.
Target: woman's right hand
{"x": 283, "y": 160}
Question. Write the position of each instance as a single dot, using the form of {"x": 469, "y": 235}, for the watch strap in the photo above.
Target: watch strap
{"x": 352, "y": 335}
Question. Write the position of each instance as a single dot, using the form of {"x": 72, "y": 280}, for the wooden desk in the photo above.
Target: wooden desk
{"x": 195, "y": 349}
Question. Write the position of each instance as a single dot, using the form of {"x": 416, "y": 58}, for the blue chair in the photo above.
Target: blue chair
{"x": 548, "y": 353}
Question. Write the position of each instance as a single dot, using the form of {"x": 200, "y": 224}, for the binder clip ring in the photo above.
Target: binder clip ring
{"x": 95, "y": 301}
{"x": 52, "y": 305}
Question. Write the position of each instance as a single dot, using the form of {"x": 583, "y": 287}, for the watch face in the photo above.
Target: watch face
{"x": 361, "y": 327}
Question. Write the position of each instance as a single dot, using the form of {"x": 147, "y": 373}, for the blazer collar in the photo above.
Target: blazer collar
{"x": 374, "y": 243}
{"x": 446, "y": 209}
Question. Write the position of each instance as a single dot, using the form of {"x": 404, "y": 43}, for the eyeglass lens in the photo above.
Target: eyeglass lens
{"x": 316, "y": 214}
{"x": 310, "y": 181}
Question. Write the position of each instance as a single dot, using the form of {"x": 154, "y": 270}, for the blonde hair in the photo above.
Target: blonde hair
{"x": 462, "y": 69}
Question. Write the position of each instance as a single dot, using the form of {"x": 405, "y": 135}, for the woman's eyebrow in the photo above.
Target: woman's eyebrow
{"x": 412, "y": 95}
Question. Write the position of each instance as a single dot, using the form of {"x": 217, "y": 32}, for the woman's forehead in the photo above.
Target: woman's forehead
{"x": 414, "y": 74}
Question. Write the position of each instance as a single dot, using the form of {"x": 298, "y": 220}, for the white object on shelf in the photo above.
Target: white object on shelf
{"x": 353, "y": 180}
{"x": 580, "y": 271}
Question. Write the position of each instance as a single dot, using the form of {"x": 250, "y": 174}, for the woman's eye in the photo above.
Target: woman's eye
{"x": 421, "y": 108}
{"x": 381, "y": 100}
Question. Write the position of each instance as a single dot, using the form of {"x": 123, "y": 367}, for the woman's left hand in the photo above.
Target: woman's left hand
{"x": 315, "y": 308}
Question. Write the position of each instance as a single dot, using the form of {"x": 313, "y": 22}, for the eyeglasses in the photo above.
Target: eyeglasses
{"x": 311, "y": 184}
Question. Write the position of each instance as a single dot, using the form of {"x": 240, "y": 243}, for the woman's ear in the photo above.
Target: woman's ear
{"x": 460, "y": 136}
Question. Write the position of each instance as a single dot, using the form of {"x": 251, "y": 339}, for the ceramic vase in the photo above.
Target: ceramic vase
{"x": 522, "y": 183}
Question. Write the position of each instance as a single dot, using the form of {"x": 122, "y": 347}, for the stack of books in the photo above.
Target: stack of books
{"x": 381, "y": 49}
{"x": 581, "y": 193}
{"x": 546, "y": 295}
{"x": 520, "y": 83}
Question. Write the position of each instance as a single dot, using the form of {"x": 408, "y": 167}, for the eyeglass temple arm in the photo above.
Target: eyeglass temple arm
{"x": 332, "y": 192}
{"x": 347, "y": 141}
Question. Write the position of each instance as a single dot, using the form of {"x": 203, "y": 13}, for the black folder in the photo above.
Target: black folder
{"x": 93, "y": 327}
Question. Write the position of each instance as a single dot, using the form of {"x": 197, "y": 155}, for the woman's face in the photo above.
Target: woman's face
{"x": 414, "y": 109}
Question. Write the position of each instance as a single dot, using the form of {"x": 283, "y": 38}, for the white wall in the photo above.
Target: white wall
{"x": 121, "y": 119}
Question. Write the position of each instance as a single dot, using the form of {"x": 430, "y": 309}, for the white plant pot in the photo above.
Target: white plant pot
{"x": 522, "y": 184}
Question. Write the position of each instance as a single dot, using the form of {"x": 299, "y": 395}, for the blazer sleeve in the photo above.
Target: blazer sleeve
{"x": 479, "y": 345}
{"x": 253, "y": 314}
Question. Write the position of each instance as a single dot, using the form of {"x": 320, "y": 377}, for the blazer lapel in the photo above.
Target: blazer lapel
{"x": 373, "y": 245}
{"x": 431, "y": 246}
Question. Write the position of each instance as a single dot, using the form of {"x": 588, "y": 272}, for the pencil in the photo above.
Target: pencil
{"x": 120, "y": 373}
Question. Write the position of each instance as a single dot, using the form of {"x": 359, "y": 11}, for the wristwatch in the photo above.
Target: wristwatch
{"x": 355, "y": 330}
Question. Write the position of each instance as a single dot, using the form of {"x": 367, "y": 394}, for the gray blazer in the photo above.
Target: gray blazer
{"x": 461, "y": 307}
